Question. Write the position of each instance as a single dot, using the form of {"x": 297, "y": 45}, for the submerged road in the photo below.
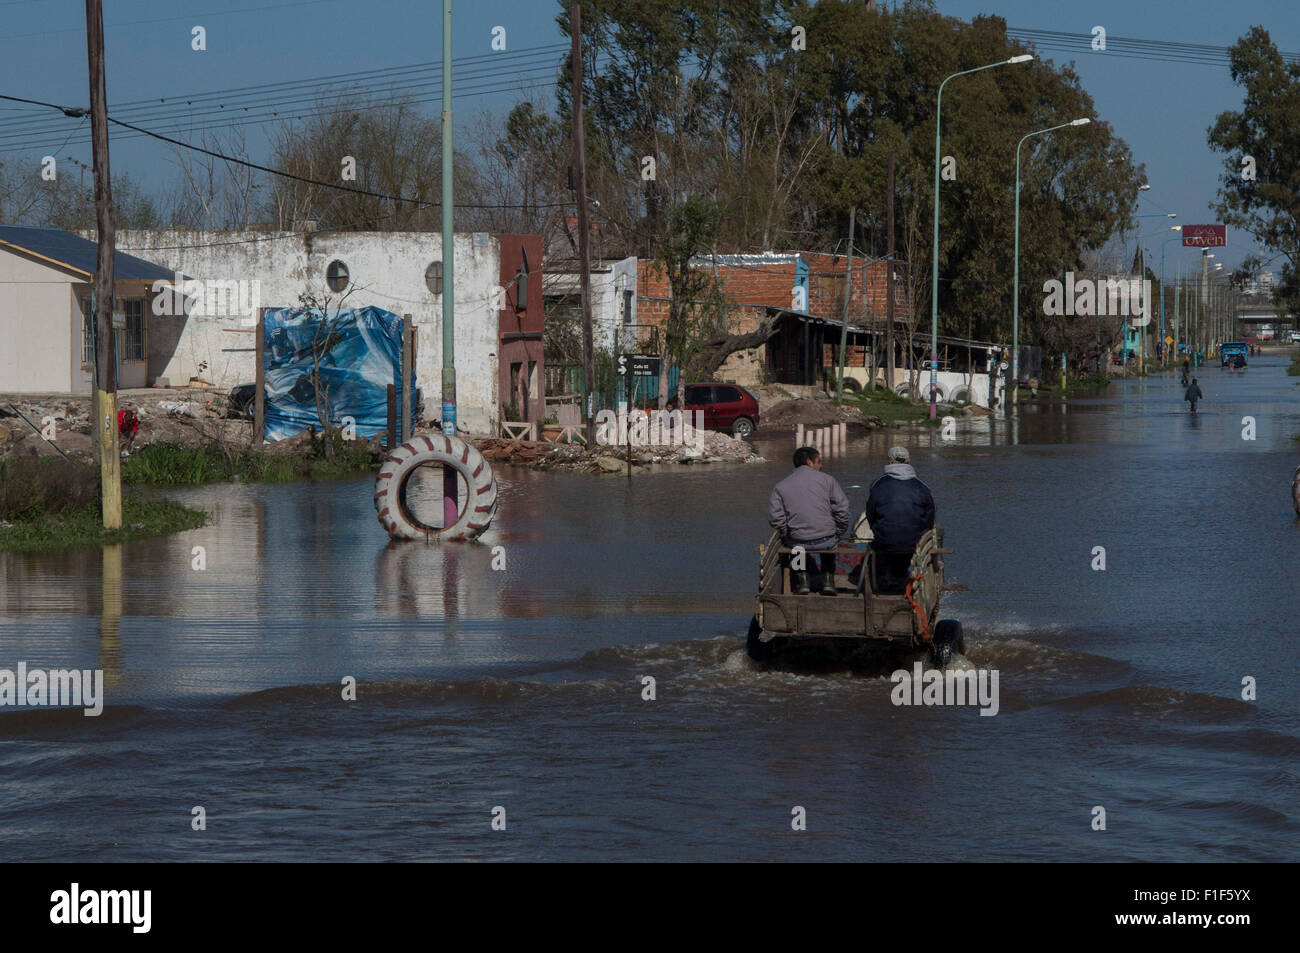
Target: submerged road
{"x": 522, "y": 686}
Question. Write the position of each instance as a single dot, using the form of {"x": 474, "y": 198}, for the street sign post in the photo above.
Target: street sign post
{"x": 645, "y": 365}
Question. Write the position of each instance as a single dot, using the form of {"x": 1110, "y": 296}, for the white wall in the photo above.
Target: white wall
{"x": 36, "y": 327}
{"x": 607, "y": 286}
{"x": 387, "y": 270}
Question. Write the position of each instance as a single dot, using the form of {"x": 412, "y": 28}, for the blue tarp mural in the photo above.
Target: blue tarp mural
{"x": 361, "y": 354}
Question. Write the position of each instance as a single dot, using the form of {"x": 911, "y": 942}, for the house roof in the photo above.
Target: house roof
{"x": 63, "y": 248}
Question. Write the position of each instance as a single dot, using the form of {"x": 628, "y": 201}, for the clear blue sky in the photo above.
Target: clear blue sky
{"x": 1162, "y": 109}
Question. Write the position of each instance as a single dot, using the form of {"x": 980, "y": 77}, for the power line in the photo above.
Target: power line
{"x": 419, "y": 203}
{"x": 244, "y": 98}
{"x": 1133, "y": 47}
{"x": 500, "y": 68}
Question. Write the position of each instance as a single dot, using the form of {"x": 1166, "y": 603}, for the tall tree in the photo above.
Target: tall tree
{"x": 1260, "y": 188}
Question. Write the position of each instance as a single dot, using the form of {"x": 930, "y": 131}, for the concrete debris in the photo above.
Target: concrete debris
{"x": 700, "y": 447}
{"x": 812, "y": 412}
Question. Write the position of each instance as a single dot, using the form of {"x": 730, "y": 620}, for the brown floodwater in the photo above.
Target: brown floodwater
{"x": 511, "y": 672}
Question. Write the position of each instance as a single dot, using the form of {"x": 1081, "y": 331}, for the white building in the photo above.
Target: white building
{"x": 46, "y": 325}
{"x": 613, "y": 297}
{"x": 397, "y": 271}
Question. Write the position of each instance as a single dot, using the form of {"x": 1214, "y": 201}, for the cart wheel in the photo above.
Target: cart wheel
{"x": 758, "y": 650}
{"x": 947, "y": 639}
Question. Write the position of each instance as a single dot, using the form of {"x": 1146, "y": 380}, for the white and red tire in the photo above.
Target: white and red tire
{"x": 390, "y": 488}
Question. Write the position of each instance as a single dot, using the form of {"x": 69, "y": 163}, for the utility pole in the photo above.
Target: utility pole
{"x": 889, "y": 274}
{"x": 1146, "y": 309}
{"x": 1202, "y": 314}
{"x": 450, "y": 484}
{"x": 110, "y": 461}
{"x": 848, "y": 292}
{"x": 584, "y": 249}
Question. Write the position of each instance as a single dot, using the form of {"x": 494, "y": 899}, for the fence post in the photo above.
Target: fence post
{"x": 408, "y": 353}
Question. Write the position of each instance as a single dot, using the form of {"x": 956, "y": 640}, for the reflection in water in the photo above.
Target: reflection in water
{"x": 481, "y": 684}
{"x": 110, "y": 613}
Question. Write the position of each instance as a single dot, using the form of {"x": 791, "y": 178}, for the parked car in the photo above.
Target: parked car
{"x": 725, "y": 406}
{"x": 241, "y": 399}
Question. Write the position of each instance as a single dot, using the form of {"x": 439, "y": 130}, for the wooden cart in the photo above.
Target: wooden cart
{"x": 857, "y": 616}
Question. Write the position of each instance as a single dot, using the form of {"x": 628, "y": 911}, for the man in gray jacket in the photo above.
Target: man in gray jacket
{"x": 811, "y": 511}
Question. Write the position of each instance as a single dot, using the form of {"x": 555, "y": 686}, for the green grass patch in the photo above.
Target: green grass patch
{"x": 888, "y": 406}
{"x": 84, "y": 527}
{"x": 1085, "y": 385}
{"x": 171, "y": 464}
{"x": 51, "y": 503}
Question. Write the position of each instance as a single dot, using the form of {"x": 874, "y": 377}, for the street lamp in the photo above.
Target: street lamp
{"x": 1015, "y": 280}
{"x": 1124, "y": 235}
{"x": 1173, "y": 228}
{"x": 934, "y": 272}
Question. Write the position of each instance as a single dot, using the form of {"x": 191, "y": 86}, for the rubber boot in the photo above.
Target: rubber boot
{"x": 828, "y": 577}
{"x": 799, "y": 582}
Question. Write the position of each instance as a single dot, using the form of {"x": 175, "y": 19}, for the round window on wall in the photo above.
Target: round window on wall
{"x": 336, "y": 275}
{"x": 433, "y": 277}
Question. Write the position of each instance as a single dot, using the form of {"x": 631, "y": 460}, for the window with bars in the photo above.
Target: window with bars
{"x": 87, "y": 334}
{"x": 133, "y": 337}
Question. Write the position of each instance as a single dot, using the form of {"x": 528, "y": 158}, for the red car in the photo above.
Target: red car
{"x": 725, "y": 406}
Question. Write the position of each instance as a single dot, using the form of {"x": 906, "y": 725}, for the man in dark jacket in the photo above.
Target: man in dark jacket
{"x": 1193, "y": 394}
{"x": 811, "y": 511}
{"x": 900, "y": 508}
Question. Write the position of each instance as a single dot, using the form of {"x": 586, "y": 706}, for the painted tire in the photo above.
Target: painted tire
{"x": 390, "y": 488}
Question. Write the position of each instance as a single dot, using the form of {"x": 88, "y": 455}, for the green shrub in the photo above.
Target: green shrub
{"x": 45, "y": 486}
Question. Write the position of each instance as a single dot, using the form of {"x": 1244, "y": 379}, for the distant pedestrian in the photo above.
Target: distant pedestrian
{"x": 1193, "y": 394}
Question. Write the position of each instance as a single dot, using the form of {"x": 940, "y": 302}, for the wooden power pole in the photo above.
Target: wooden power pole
{"x": 889, "y": 273}
{"x": 848, "y": 294}
{"x": 110, "y": 461}
{"x": 584, "y": 249}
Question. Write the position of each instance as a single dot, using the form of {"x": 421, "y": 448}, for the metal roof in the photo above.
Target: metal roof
{"x": 63, "y": 248}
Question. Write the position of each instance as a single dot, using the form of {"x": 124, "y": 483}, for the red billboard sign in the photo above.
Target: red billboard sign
{"x": 1205, "y": 236}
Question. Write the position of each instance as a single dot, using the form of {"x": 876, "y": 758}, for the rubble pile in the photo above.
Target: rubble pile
{"x": 172, "y": 416}
{"x": 813, "y": 412}
{"x": 695, "y": 447}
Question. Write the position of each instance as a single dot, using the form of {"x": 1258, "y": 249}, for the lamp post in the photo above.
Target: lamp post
{"x": 1015, "y": 279}
{"x": 934, "y": 272}
{"x": 1175, "y": 228}
{"x": 1124, "y": 235}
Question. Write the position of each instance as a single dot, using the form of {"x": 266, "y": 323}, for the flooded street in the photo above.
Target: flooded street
{"x": 521, "y": 686}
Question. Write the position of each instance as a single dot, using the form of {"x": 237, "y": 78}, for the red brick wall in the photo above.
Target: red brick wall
{"x": 869, "y": 299}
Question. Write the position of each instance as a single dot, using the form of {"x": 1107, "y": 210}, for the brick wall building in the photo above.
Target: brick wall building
{"x": 801, "y": 283}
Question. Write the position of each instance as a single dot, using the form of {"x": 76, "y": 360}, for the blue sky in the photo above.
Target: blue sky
{"x": 1161, "y": 108}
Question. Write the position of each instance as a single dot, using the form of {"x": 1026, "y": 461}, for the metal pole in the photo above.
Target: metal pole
{"x": 934, "y": 271}
{"x": 450, "y": 487}
{"x": 1146, "y": 307}
{"x": 848, "y": 293}
{"x": 1200, "y": 309}
{"x": 1015, "y": 280}
{"x": 448, "y": 242}
{"x": 110, "y": 461}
